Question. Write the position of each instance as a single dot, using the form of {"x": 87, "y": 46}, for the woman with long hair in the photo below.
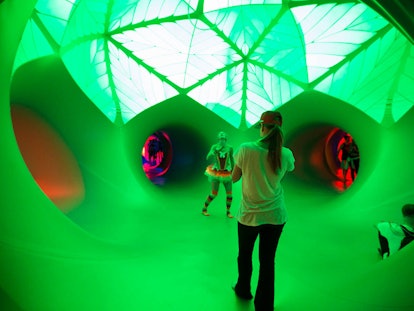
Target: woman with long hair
{"x": 261, "y": 165}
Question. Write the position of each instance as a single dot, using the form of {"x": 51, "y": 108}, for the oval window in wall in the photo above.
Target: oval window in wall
{"x": 49, "y": 159}
{"x": 157, "y": 155}
{"x": 325, "y": 155}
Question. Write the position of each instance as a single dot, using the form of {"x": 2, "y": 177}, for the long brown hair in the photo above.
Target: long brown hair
{"x": 274, "y": 141}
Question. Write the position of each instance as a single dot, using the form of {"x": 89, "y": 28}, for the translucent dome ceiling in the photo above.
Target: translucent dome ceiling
{"x": 236, "y": 58}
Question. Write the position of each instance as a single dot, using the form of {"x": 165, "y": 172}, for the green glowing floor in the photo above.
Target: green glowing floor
{"x": 167, "y": 256}
{"x": 176, "y": 259}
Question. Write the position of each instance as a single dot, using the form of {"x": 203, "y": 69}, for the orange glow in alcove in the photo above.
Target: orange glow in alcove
{"x": 49, "y": 160}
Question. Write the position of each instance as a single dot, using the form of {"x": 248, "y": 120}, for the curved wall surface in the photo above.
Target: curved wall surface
{"x": 94, "y": 257}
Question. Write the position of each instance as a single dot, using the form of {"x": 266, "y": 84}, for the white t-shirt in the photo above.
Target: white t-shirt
{"x": 262, "y": 193}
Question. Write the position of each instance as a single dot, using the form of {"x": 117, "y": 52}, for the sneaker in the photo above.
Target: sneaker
{"x": 205, "y": 213}
{"x": 229, "y": 215}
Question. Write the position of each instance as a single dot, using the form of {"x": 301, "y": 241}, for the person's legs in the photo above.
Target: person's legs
{"x": 356, "y": 162}
{"x": 353, "y": 174}
{"x": 384, "y": 249}
{"x": 344, "y": 165}
{"x": 352, "y": 169}
{"x": 247, "y": 236}
{"x": 214, "y": 191}
{"x": 229, "y": 197}
{"x": 268, "y": 240}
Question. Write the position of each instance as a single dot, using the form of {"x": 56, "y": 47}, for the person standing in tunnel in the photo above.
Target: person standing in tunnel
{"x": 261, "y": 165}
{"x": 220, "y": 172}
{"x": 349, "y": 157}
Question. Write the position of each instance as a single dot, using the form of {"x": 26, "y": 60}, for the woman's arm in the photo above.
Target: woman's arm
{"x": 237, "y": 174}
{"x": 211, "y": 152}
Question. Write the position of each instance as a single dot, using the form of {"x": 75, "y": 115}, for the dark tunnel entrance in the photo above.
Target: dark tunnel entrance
{"x": 173, "y": 154}
{"x": 325, "y": 155}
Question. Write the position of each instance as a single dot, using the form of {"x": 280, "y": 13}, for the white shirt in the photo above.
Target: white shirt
{"x": 263, "y": 199}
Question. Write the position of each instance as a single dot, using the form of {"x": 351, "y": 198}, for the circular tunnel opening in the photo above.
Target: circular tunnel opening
{"x": 173, "y": 154}
{"x": 157, "y": 155}
{"x": 325, "y": 155}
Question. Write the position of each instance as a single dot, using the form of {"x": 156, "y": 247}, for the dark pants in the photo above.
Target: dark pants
{"x": 268, "y": 239}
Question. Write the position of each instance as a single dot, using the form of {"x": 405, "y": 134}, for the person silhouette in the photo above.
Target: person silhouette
{"x": 220, "y": 172}
{"x": 393, "y": 236}
{"x": 349, "y": 157}
{"x": 261, "y": 165}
